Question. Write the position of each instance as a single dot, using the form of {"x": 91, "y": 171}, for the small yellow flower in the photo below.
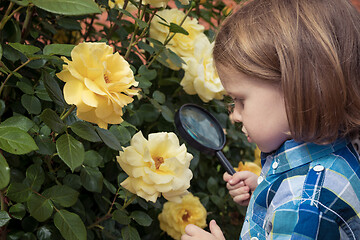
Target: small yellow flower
{"x": 163, "y": 3}
{"x": 200, "y": 75}
{"x": 120, "y": 3}
{"x": 175, "y": 216}
{"x": 181, "y": 44}
{"x": 249, "y": 166}
{"x": 156, "y": 166}
{"x": 98, "y": 82}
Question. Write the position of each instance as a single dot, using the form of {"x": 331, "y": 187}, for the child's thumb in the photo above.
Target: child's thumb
{"x": 216, "y": 231}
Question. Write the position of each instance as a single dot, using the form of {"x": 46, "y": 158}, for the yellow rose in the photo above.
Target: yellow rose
{"x": 182, "y": 45}
{"x": 200, "y": 75}
{"x": 120, "y": 3}
{"x": 175, "y": 216}
{"x": 249, "y": 166}
{"x": 257, "y": 155}
{"x": 156, "y": 166}
{"x": 98, "y": 82}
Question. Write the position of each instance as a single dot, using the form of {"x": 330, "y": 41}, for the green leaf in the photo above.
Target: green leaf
{"x": 53, "y": 89}
{"x": 40, "y": 207}
{"x": 149, "y": 112}
{"x": 17, "y": 211}
{"x": 2, "y": 105}
{"x": 108, "y": 138}
{"x": 1, "y": 51}
{"x": 121, "y": 217}
{"x": 45, "y": 144}
{"x": 129, "y": 233}
{"x": 21, "y": 2}
{"x": 73, "y": 181}
{"x": 26, "y": 88}
{"x": 70, "y": 225}
{"x": 93, "y": 159}
{"x": 58, "y": 49}
{"x": 159, "y": 96}
{"x": 146, "y": 47}
{"x": 121, "y": 133}
{"x": 141, "y": 218}
{"x": 31, "y": 103}
{"x": 91, "y": 179}
{"x": 86, "y": 131}
{"x": 4, "y": 172}
{"x": 51, "y": 119}
{"x": 212, "y": 185}
{"x": 149, "y": 74}
{"x": 18, "y": 192}
{"x": 167, "y": 113}
{"x": 4, "y": 218}
{"x": 48, "y": 232}
{"x": 62, "y": 194}
{"x": 70, "y": 150}
{"x": 16, "y": 141}
{"x": 174, "y": 58}
{"x": 35, "y": 177}
{"x": 68, "y": 7}
{"x": 19, "y": 121}
{"x": 109, "y": 186}
{"x": 178, "y": 29}
{"x": 25, "y": 49}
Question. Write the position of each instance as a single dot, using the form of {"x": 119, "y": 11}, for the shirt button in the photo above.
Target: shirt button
{"x": 319, "y": 168}
{"x": 275, "y": 165}
{"x": 254, "y": 238}
{"x": 259, "y": 180}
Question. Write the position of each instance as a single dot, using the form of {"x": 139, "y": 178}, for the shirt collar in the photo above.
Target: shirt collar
{"x": 292, "y": 154}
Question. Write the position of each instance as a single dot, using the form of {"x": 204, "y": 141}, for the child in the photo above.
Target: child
{"x": 292, "y": 68}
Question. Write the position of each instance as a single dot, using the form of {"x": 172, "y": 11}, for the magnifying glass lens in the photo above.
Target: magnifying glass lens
{"x": 200, "y": 127}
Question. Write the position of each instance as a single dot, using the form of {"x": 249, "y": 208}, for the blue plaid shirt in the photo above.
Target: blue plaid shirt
{"x": 306, "y": 191}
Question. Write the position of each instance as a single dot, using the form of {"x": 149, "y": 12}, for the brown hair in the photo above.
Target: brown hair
{"x": 311, "y": 48}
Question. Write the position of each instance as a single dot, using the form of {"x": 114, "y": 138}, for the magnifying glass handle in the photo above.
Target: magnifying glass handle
{"x": 225, "y": 163}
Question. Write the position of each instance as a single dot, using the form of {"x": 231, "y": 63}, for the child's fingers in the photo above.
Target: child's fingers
{"x": 226, "y": 177}
{"x": 236, "y": 186}
{"x": 239, "y": 191}
{"x": 242, "y": 199}
{"x": 191, "y": 229}
{"x": 216, "y": 231}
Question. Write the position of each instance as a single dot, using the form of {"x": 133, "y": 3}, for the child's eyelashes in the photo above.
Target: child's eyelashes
{"x": 233, "y": 103}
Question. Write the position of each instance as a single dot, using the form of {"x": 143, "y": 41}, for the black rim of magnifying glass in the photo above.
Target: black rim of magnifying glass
{"x": 189, "y": 139}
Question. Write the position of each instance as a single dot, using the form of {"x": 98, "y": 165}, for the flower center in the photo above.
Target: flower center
{"x": 106, "y": 78}
{"x": 158, "y": 161}
{"x": 185, "y": 216}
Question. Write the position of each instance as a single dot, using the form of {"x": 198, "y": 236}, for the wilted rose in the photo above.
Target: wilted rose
{"x": 156, "y": 166}
{"x": 201, "y": 77}
{"x": 181, "y": 44}
{"x": 175, "y": 216}
{"x": 98, "y": 82}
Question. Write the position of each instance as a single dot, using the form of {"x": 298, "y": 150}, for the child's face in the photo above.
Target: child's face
{"x": 260, "y": 107}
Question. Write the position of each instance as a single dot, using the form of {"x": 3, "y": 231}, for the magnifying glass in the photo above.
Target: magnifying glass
{"x": 203, "y": 132}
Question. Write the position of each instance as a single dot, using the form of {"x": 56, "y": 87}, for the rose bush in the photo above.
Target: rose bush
{"x": 88, "y": 143}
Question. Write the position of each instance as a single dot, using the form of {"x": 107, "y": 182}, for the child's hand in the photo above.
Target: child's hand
{"x": 193, "y": 232}
{"x": 240, "y": 186}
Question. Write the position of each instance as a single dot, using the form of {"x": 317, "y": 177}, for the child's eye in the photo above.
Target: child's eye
{"x": 239, "y": 102}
